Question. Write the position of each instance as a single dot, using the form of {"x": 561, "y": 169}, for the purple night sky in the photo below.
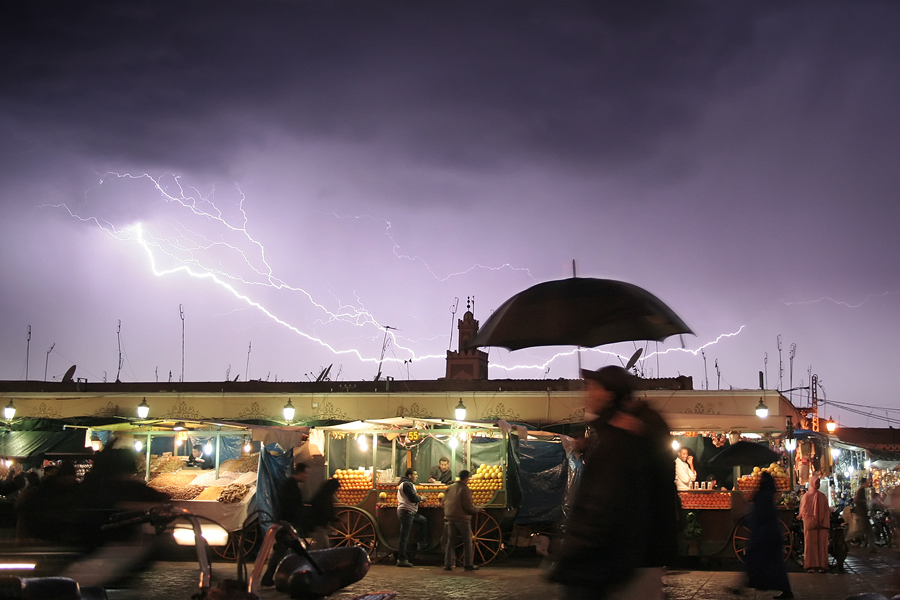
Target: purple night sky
{"x": 298, "y": 175}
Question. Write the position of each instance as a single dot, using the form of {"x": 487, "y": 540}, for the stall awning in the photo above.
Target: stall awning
{"x": 23, "y": 444}
{"x": 724, "y": 423}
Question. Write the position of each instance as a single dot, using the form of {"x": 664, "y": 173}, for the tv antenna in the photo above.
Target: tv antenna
{"x": 27, "y": 351}
{"x": 119, "y": 340}
{"x": 453, "y": 308}
{"x": 780, "y": 364}
{"x": 705, "y": 372}
{"x": 718, "y": 375}
{"x": 181, "y": 314}
{"x": 384, "y": 345}
{"x": 47, "y": 362}
{"x": 247, "y": 372}
{"x": 793, "y": 353}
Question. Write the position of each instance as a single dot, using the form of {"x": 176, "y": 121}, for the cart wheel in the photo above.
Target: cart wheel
{"x": 353, "y": 528}
{"x": 741, "y": 538}
{"x": 487, "y": 540}
{"x": 241, "y": 541}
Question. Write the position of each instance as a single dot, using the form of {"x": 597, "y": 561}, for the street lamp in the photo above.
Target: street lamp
{"x": 790, "y": 444}
{"x": 143, "y": 409}
{"x": 830, "y": 425}
{"x": 762, "y": 411}
{"x": 9, "y": 412}
{"x": 288, "y": 411}
{"x": 460, "y": 411}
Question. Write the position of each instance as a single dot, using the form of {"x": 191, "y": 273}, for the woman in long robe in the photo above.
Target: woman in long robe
{"x": 764, "y": 560}
{"x": 816, "y": 517}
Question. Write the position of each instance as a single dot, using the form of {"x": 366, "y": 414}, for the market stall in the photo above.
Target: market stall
{"x": 368, "y": 457}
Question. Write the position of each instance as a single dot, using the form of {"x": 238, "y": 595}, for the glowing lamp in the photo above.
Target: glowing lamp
{"x": 143, "y": 409}
{"x": 208, "y": 448}
{"x": 362, "y": 441}
{"x": 138, "y": 445}
{"x": 178, "y": 442}
{"x": 9, "y": 412}
{"x": 212, "y": 533}
{"x": 453, "y": 443}
{"x": 790, "y": 444}
{"x": 288, "y": 411}
{"x": 247, "y": 447}
{"x": 830, "y": 425}
{"x": 459, "y": 411}
{"x": 835, "y": 452}
{"x": 675, "y": 445}
{"x": 762, "y": 411}
{"x": 96, "y": 444}
{"x": 868, "y": 464}
{"x": 179, "y": 426}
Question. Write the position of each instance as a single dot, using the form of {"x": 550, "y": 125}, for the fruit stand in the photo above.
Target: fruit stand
{"x": 368, "y": 458}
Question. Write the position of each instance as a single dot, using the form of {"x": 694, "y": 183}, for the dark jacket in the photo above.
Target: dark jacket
{"x": 290, "y": 505}
{"x": 458, "y": 503}
{"x": 624, "y": 512}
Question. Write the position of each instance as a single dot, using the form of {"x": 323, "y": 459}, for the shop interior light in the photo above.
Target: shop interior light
{"x": 143, "y": 409}
{"x": 835, "y": 452}
{"x": 453, "y": 443}
{"x": 288, "y": 411}
{"x": 212, "y": 533}
{"x": 790, "y": 444}
{"x": 96, "y": 444}
{"x": 868, "y": 464}
{"x": 9, "y": 412}
{"x": 208, "y": 448}
{"x": 178, "y": 441}
{"x": 247, "y": 446}
{"x": 362, "y": 441}
{"x": 675, "y": 445}
{"x": 17, "y": 566}
{"x": 179, "y": 426}
{"x": 138, "y": 445}
{"x": 849, "y": 473}
{"x": 459, "y": 412}
{"x": 830, "y": 425}
{"x": 762, "y": 411}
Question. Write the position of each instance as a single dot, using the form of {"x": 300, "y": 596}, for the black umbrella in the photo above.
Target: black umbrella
{"x": 744, "y": 454}
{"x": 579, "y": 312}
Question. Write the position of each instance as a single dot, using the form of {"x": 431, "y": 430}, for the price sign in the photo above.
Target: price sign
{"x": 413, "y": 436}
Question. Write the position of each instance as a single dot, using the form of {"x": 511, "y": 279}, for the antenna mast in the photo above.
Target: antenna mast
{"x": 793, "y": 353}
{"x": 780, "y": 364}
{"x": 247, "y": 372}
{"x": 453, "y": 308}
{"x": 705, "y": 372}
{"x": 383, "y": 348}
{"x": 27, "y": 351}
{"x": 47, "y": 362}
{"x": 119, "y": 340}
{"x": 181, "y": 313}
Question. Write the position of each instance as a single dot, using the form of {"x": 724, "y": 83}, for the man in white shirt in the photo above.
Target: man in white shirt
{"x": 685, "y": 474}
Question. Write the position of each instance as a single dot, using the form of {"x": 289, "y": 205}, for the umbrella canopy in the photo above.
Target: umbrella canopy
{"x": 579, "y": 312}
{"x": 744, "y": 454}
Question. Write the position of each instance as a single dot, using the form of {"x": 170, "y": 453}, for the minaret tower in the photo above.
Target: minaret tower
{"x": 467, "y": 363}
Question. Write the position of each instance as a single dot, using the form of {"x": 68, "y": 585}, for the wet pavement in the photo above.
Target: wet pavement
{"x": 521, "y": 578}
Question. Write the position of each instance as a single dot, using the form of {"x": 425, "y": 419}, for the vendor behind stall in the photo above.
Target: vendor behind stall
{"x": 441, "y": 473}
{"x": 196, "y": 459}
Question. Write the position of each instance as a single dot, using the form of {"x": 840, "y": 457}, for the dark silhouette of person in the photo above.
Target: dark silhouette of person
{"x": 764, "y": 560}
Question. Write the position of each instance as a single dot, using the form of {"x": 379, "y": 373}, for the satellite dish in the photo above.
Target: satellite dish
{"x": 634, "y": 358}
{"x": 67, "y": 378}
{"x": 238, "y": 377}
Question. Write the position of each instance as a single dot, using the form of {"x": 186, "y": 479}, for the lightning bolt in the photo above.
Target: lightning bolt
{"x": 839, "y": 302}
{"x": 388, "y": 226}
{"x": 543, "y": 366}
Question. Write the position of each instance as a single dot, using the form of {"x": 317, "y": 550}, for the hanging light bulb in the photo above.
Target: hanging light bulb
{"x": 835, "y": 452}
{"x": 675, "y": 445}
{"x": 762, "y": 411}
{"x": 453, "y": 443}
{"x": 143, "y": 409}
{"x": 362, "y": 441}
{"x": 138, "y": 445}
{"x": 247, "y": 446}
{"x": 208, "y": 448}
{"x": 9, "y": 412}
{"x": 178, "y": 441}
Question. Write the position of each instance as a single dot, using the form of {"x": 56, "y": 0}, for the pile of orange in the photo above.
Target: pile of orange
{"x": 485, "y": 482}
{"x": 355, "y": 486}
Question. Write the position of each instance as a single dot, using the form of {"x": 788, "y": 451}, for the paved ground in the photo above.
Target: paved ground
{"x": 522, "y": 579}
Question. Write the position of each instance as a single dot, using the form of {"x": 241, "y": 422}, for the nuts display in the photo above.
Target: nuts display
{"x": 233, "y": 493}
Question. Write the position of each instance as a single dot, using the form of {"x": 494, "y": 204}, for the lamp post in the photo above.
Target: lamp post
{"x": 790, "y": 445}
{"x": 830, "y": 425}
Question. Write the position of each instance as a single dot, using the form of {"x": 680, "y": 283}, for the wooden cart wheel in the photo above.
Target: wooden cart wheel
{"x": 740, "y": 538}
{"x": 241, "y": 541}
{"x": 487, "y": 540}
{"x": 353, "y": 528}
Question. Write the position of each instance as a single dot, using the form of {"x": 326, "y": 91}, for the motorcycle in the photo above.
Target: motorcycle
{"x": 837, "y": 544}
{"x": 883, "y": 527}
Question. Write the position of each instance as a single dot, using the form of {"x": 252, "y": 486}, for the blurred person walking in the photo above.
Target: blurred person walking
{"x": 616, "y": 544}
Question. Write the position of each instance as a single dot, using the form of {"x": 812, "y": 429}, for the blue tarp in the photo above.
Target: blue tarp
{"x": 274, "y": 465}
{"x": 543, "y": 469}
